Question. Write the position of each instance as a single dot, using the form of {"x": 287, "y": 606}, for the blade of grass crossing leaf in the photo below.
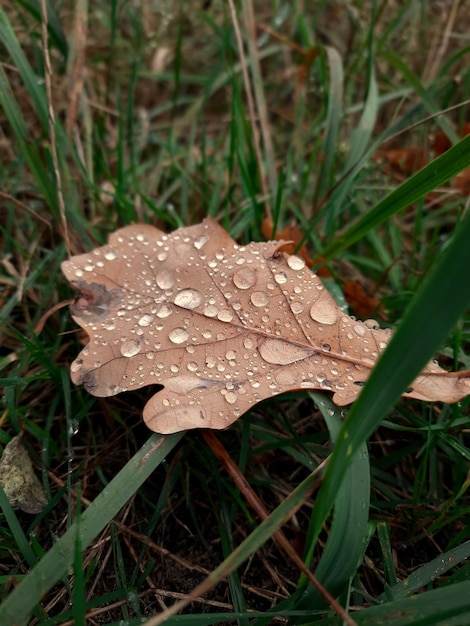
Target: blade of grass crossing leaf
{"x": 434, "y": 174}
{"x": 432, "y": 314}
{"x": 17, "y": 607}
{"x": 345, "y": 545}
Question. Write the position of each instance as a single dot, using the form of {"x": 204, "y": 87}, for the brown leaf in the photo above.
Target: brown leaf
{"x": 220, "y": 326}
{"x": 17, "y": 477}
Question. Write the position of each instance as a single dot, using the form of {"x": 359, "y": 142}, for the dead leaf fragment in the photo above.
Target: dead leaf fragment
{"x": 17, "y": 477}
{"x": 220, "y": 326}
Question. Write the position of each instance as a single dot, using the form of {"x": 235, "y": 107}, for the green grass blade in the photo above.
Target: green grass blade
{"x": 54, "y": 26}
{"x": 333, "y": 120}
{"x": 17, "y": 530}
{"x": 17, "y": 608}
{"x": 447, "y": 606}
{"x": 428, "y": 572}
{"x": 264, "y": 531}
{"x": 28, "y": 148}
{"x": 345, "y": 544}
{"x": 434, "y": 174}
{"x": 422, "y": 91}
{"x": 434, "y": 311}
{"x": 33, "y": 85}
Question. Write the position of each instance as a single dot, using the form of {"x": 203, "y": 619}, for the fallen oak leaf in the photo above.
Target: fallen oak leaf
{"x": 220, "y": 327}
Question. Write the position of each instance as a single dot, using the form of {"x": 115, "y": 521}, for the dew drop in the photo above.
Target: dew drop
{"x": 145, "y": 320}
{"x": 280, "y": 278}
{"x": 295, "y": 262}
{"x": 188, "y": 299}
{"x": 73, "y": 427}
{"x": 231, "y": 397}
{"x": 163, "y": 311}
{"x": 76, "y": 365}
{"x": 211, "y": 362}
{"x": 199, "y": 243}
{"x": 297, "y": 307}
{"x": 109, "y": 255}
{"x": 211, "y": 311}
{"x": 325, "y": 310}
{"x": 225, "y": 315}
{"x": 178, "y": 335}
{"x": 165, "y": 279}
{"x": 359, "y": 329}
{"x": 279, "y": 352}
{"x": 248, "y": 343}
{"x": 259, "y": 298}
{"x": 244, "y": 278}
{"x": 192, "y": 366}
{"x": 130, "y": 348}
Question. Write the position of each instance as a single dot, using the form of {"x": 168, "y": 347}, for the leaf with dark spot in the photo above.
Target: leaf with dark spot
{"x": 220, "y": 327}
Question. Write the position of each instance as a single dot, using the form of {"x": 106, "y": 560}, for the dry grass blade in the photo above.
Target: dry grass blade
{"x": 52, "y": 123}
{"x": 251, "y": 109}
{"x": 220, "y": 326}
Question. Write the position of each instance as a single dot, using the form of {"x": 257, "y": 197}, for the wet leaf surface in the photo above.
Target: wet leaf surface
{"x": 220, "y": 327}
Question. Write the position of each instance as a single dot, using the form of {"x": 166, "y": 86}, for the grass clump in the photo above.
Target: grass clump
{"x": 345, "y": 120}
